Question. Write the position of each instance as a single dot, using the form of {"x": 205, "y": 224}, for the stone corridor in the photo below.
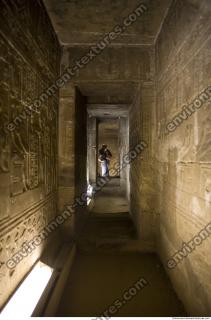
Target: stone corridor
{"x": 135, "y": 75}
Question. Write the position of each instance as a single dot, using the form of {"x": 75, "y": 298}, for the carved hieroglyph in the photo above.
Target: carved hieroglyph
{"x": 29, "y": 62}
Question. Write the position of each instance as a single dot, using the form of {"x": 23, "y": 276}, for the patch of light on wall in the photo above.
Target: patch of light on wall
{"x": 88, "y": 201}
{"x": 89, "y": 190}
{"x": 25, "y": 299}
{"x": 89, "y": 193}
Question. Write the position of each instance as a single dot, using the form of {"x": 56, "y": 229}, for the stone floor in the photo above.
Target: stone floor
{"x": 97, "y": 280}
{"x": 111, "y": 199}
{"x": 107, "y": 264}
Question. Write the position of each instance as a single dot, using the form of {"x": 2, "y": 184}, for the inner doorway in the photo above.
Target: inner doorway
{"x": 108, "y": 133}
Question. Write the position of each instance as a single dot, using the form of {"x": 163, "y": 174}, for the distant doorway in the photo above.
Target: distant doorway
{"x": 109, "y": 134}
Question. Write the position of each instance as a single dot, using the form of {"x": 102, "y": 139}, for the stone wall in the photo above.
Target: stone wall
{"x": 113, "y": 66}
{"x": 91, "y": 150}
{"x": 183, "y": 157}
{"x": 80, "y": 143}
{"x": 72, "y": 153}
{"x": 29, "y": 62}
{"x": 124, "y": 149}
{"x": 142, "y": 192}
{"x": 66, "y": 147}
{"x": 80, "y": 158}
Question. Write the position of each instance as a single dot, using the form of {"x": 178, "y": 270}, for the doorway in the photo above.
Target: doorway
{"x": 108, "y": 133}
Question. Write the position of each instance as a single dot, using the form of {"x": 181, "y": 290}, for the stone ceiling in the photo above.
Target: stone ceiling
{"x": 111, "y": 81}
{"x": 108, "y": 111}
{"x": 84, "y": 22}
{"x": 108, "y": 93}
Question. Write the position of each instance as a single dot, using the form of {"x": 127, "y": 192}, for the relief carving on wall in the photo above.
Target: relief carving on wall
{"x": 4, "y": 115}
{"x": 29, "y": 61}
{"x": 204, "y": 146}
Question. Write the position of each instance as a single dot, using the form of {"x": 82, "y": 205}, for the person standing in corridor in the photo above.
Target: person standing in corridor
{"x": 104, "y": 158}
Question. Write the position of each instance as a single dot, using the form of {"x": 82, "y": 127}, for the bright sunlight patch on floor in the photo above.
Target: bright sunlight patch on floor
{"x": 25, "y": 299}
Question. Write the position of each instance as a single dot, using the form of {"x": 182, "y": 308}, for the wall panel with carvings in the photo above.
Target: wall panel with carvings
{"x": 184, "y": 186}
{"x": 142, "y": 188}
{"x": 29, "y": 62}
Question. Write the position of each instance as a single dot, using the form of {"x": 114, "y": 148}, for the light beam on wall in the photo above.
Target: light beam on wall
{"x": 89, "y": 193}
{"x": 25, "y": 299}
